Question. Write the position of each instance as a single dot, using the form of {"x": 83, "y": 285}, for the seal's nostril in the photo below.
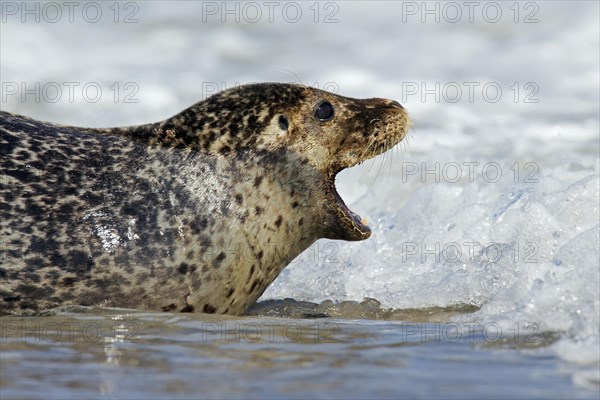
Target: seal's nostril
{"x": 396, "y": 104}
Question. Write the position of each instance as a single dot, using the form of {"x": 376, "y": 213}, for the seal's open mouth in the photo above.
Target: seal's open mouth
{"x": 386, "y": 125}
{"x": 350, "y": 225}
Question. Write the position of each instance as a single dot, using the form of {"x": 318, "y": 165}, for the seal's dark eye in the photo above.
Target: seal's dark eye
{"x": 324, "y": 112}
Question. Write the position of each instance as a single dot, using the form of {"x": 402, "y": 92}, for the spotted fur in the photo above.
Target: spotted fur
{"x": 199, "y": 212}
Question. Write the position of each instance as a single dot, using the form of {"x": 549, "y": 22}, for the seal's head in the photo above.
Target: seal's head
{"x": 324, "y": 132}
{"x": 334, "y": 133}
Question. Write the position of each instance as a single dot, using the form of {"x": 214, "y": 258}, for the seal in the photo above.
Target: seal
{"x": 199, "y": 212}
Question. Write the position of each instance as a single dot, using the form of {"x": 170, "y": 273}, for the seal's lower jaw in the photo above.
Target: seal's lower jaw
{"x": 349, "y": 226}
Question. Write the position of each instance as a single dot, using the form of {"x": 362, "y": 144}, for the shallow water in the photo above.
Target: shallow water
{"x": 486, "y": 216}
{"x": 128, "y": 354}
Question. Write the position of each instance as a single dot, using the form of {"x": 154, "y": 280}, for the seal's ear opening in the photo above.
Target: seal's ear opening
{"x": 283, "y": 123}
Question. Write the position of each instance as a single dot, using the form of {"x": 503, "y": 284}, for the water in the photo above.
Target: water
{"x": 486, "y": 217}
{"x": 124, "y": 354}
